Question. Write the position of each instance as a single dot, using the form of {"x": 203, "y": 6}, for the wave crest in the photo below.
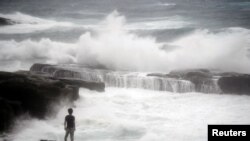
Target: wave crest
{"x": 114, "y": 47}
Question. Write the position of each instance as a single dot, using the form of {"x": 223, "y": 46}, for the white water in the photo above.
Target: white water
{"x": 28, "y": 24}
{"x": 140, "y": 115}
{"x": 132, "y": 114}
{"x": 113, "y": 46}
{"x": 174, "y": 22}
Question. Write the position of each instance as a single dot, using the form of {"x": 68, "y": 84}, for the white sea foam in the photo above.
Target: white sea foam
{"x": 113, "y": 46}
{"x": 173, "y": 22}
{"x": 166, "y": 4}
{"x": 139, "y": 115}
{"x": 227, "y": 50}
{"x": 29, "y": 24}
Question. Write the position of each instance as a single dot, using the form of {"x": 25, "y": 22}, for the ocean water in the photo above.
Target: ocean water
{"x": 135, "y": 35}
{"x": 157, "y": 35}
{"x": 139, "y": 115}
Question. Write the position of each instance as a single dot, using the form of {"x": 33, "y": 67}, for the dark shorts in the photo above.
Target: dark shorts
{"x": 70, "y": 130}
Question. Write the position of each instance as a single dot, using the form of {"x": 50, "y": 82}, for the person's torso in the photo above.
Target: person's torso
{"x": 70, "y": 121}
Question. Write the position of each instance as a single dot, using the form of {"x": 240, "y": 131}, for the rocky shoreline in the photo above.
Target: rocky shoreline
{"x": 227, "y": 82}
{"x": 180, "y": 81}
{"x": 23, "y": 92}
{"x": 34, "y": 91}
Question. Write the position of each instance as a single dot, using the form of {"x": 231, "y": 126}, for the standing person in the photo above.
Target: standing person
{"x": 69, "y": 125}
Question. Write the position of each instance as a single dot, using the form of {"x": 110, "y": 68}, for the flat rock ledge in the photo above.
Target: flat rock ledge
{"x": 227, "y": 82}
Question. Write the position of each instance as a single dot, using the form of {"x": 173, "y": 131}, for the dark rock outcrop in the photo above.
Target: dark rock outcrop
{"x": 188, "y": 80}
{"x": 90, "y": 85}
{"x": 202, "y": 79}
{"x": 65, "y": 75}
{"x": 22, "y": 92}
{"x": 5, "y": 21}
{"x": 8, "y": 111}
{"x": 235, "y": 84}
{"x": 199, "y": 77}
{"x": 38, "y": 68}
{"x": 32, "y": 94}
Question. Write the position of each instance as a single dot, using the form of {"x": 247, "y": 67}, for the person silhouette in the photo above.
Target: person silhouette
{"x": 69, "y": 125}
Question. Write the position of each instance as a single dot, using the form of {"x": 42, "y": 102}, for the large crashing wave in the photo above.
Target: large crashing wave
{"x": 113, "y": 46}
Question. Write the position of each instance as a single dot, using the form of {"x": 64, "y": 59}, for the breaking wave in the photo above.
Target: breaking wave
{"x": 113, "y": 46}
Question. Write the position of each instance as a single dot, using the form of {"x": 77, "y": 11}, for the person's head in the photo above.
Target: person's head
{"x": 70, "y": 111}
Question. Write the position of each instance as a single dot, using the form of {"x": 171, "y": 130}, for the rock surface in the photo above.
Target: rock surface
{"x": 235, "y": 84}
{"x": 224, "y": 82}
{"x": 34, "y": 91}
{"x": 180, "y": 81}
{"x": 203, "y": 80}
{"x": 5, "y": 21}
{"x": 25, "y": 93}
{"x": 200, "y": 78}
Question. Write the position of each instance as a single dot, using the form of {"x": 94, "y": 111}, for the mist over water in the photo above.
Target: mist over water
{"x": 139, "y": 115}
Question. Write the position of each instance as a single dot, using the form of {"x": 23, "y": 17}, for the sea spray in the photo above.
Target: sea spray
{"x": 113, "y": 46}
{"x": 135, "y": 114}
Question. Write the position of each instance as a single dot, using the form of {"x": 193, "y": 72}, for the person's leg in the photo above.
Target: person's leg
{"x": 72, "y": 135}
{"x": 66, "y": 135}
